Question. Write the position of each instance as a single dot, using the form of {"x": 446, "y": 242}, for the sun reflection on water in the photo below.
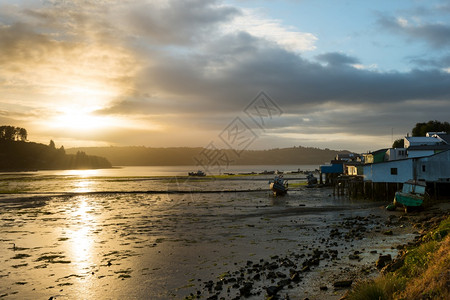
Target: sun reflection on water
{"x": 83, "y": 173}
{"x": 83, "y": 186}
{"x": 81, "y": 239}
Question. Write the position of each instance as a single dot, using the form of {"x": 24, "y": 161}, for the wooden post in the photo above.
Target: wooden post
{"x": 435, "y": 190}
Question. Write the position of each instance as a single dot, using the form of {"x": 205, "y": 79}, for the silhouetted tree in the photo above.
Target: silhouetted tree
{"x": 11, "y": 133}
{"x": 400, "y": 143}
{"x": 22, "y": 133}
{"x": 62, "y": 150}
{"x": 52, "y": 144}
{"x": 421, "y": 129}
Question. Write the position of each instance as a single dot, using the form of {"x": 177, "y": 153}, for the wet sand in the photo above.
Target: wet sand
{"x": 172, "y": 246}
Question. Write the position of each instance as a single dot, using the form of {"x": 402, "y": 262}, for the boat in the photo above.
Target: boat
{"x": 312, "y": 181}
{"x": 265, "y": 172}
{"x": 279, "y": 185}
{"x": 412, "y": 195}
{"x": 198, "y": 173}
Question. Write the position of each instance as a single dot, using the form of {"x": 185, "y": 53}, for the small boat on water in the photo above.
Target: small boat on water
{"x": 412, "y": 195}
{"x": 265, "y": 172}
{"x": 279, "y": 185}
{"x": 198, "y": 173}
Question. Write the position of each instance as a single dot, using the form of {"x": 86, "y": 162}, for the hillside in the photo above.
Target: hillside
{"x": 24, "y": 156}
{"x": 144, "y": 156}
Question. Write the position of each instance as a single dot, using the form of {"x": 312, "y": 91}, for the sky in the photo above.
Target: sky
{"x": 352, "y": 75}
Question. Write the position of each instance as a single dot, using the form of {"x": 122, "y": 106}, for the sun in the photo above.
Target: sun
{"x": 82, "y": 119}
{"x": 79, "y": 118}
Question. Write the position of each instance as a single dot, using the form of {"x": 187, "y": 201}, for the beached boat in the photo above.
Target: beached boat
{"x": 198, "y": 173}
{"x": 412, "y": 194}
{"x": 279, "y": 185}
{"x": 312, "y": 181}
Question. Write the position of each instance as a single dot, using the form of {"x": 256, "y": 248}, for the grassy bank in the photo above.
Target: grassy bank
{"x": 422, "y": 271}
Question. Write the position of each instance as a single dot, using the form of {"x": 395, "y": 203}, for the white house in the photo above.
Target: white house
{"x": 389, "y": 171}
{"x": 420, "y": 141}
{"x": 396, "y": 153}
{"x": 430, "y": 168}
{"x": 434, "y": 168}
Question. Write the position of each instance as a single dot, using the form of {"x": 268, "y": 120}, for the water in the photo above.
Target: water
{"x": 100, "y": 234}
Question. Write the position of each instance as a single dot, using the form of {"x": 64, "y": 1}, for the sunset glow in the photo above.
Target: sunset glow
{"x": 176, "y": 73}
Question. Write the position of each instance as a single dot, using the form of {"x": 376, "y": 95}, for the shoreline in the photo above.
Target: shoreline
{"x": 109, "y": 245}
{"x": 323, "y": 273}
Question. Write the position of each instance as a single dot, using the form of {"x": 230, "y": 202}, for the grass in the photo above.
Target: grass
{"x": 382, "y": 288}
{"x": 424, "y": 275}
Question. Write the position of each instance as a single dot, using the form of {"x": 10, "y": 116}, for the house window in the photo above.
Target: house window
{"x": 423, "y": 168}
{"x": 393, "y": 171}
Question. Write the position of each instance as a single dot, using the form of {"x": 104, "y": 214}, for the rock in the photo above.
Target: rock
{"x": 272, "y": 290}
{"x": 284, "y": 282}
{"x": 353, "y": 256}
{"x": 343, "y": 284}
{"x": 246, "y": 290}
{"x": 295, "y": 277}
{"x": 272, "y": 266}
{"x": 393, "y": 266}
{"x": 382, "y": 261}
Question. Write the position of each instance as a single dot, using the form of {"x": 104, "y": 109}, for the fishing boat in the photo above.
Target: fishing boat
{"x": 198, "y": 173}
{"x": 411, "y": 196}
{"x": 312, "y": 181}
{"x": 279, "y": 185}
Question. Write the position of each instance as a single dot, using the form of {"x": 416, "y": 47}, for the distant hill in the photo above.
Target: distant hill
{"x": 25, "y": 156}
{"x": 145, "y": 156}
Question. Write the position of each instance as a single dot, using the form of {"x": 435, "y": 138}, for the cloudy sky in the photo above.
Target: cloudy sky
{"x": 337, "y": 74}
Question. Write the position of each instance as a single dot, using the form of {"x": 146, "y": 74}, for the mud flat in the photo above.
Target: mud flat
{"x": 174, "y": 246}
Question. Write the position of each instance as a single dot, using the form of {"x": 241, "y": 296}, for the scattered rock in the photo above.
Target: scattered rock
{"x": 343, "y": 284}
{"x": 295, "y": 277}
{"x": 382, "y": 261}
{"x": 354, "y": 256}
{"x": 246, "y": 290}
{"x": 272, "y": 290}
{"x": 393, "y": 266}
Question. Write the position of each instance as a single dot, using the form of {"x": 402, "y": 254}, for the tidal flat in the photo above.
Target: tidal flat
{"x": 112, "y": 244}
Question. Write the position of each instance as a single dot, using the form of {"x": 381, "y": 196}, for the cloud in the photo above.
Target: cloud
{"x": 178, "y": 22}
{"x": 441, "y": 62}
{"x": 271, "y": 30}
{"x": 437, "y": 35}
{"x": 337, "y": 59}
{"x": 180, "y": 71}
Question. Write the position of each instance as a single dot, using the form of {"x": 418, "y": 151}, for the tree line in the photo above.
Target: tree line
{"x": 11, "y": 133}
{"x": 421, "y": 129}
{"x": 18, "y": 154}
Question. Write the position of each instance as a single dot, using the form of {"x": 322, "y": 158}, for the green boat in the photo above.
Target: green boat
{"x": 412, "y": 194}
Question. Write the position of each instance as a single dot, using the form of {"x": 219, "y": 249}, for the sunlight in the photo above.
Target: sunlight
{"x": 82, "y": 173}
{"x": 83, "y": 186}
{"x": 76, "y": 118}
{"x": 81, "y": 239}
